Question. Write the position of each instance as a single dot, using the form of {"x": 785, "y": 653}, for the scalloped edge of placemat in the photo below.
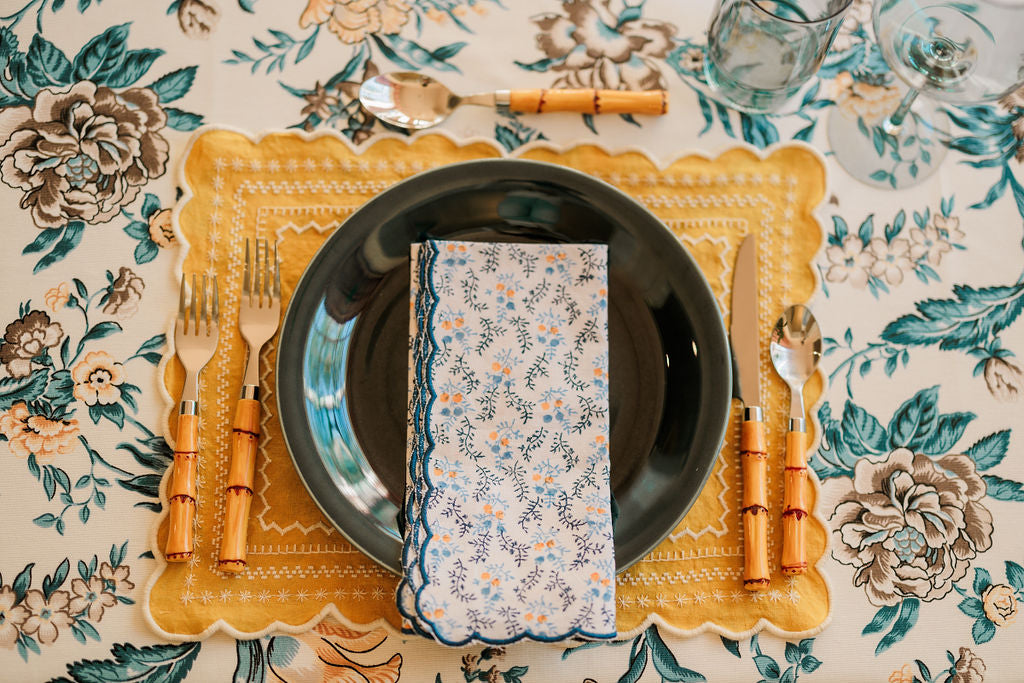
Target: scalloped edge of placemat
{"x": 331, "y": 610}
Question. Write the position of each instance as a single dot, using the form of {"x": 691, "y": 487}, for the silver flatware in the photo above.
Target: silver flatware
{"x": 196, "y": 331}
{"x": 259, "y": 310}
{"x": 795, "y": 350}
{"x": 414, "y": 101}
{"x": 743, "y": 334}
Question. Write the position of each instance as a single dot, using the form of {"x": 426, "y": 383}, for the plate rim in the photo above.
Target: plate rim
{"x": 518, "y": 169}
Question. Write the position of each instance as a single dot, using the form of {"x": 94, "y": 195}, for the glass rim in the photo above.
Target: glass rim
{"x": 758, "y": 5}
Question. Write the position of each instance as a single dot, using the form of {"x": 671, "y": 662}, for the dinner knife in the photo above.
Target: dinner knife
{"x": 743, "y": 334}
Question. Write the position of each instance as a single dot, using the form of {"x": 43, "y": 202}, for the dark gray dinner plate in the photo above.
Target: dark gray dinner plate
{"x": 342, "y": 354}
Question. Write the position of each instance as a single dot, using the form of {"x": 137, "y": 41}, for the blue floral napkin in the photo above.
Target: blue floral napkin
{"x": 508, "y": 530}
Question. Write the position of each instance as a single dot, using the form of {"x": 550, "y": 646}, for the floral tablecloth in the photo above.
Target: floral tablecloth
{"x": 920, "y": 294}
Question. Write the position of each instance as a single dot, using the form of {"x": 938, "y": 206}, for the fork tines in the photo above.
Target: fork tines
{"x": 193, "y": 308}
{"x": 258, "y": 284}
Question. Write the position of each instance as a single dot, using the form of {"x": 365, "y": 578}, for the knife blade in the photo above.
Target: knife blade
{"x": 743, "y": 334}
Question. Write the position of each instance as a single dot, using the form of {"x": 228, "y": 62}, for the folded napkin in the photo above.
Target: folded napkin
{"x": 507, "y": 523}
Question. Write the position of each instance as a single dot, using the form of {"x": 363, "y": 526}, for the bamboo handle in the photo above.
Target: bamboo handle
{"x": 245, "y": 433}
{"x": 653, "y": 102}
{"x": 794, "y": 505}
{"x": 182, "y": 493}
{"x": 754, "y": 455}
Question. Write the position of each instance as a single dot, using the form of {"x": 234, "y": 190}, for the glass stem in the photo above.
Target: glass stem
{"x": 894, "y": 123}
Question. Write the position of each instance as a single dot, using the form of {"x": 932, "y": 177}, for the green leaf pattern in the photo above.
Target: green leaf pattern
{"x": 72, "y": 491}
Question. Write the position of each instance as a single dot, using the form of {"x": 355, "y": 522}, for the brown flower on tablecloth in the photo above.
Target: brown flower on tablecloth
{"x": 98, "y": 378}
{"x": 354, "y": 20}
{"x": 82, "y": 153}
{"x": 891, "y": 259}
{"x": 117, "y": 577}
{"x": 160, "y": 230}
{"x": 589, "y": 53}
{"x": 11, "y": 617}
{"x": 46, "y": 617}
{"x": 471, "y": 665}
{"x": 969, "y": 668}
{"x": 319, "y": 102}
{"x": 26, "y": 338}
{"x": 359, "y": 123}
{"x": 1004, "y": 379}
{"x": 849, "y": 261}
{"x": 91, "y": 596}
{"x": 948, "y": 227}
{"x": 124, "y": 294}
{"x": 910, "y": 525}
{"x": 197, "y": 18}
{"x": 928, "y": 244}
{"x": 1000, "y": 602}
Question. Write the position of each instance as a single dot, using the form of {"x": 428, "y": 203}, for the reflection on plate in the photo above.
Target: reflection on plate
{"x": 343, "y": 354}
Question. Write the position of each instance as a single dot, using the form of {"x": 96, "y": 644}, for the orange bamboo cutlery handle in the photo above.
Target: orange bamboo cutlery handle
{"x": 653, "y": 102}
{"x": 794, "y": 506}
{"x": 754, "y": 456}
{"x": 182, "y": 493}
{"x": 245, "y": 434}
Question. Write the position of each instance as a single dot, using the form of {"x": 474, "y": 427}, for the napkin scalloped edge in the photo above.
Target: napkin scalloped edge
{"x": 330, "y": 609}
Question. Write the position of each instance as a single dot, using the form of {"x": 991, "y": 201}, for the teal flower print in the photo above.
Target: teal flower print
{"x": 994, "y": 605}
{"x": 25, "y": 342}
{"x": 152, "y": 229}
{"x": 38, "y": 411}
{"x": 30, "y": 617}
{"x": 12, "y": 616}
{"x": 98, "y": 379}
{"x": 83, "y": 152}
{"x": 649, "y": 647}
{"x": 888, "y": 510}
{"x": 48, "y": 615}
{"x": 80, "y": 137}
{"x": 965, "y": 668}
{"x": 35, "y": 435}
{"x": 594, "y": 46}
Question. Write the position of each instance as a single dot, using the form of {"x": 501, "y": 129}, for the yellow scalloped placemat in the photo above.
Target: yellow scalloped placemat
{"x": 297, "y": 189}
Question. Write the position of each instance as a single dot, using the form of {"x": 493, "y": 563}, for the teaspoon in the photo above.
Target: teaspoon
{"x": 414, "y": 101}
{"x": 795, "y": 350}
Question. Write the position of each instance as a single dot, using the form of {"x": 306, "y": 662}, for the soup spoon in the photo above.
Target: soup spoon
{"x": 414, "y": 101}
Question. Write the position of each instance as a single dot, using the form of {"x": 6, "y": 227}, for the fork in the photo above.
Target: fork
{"x": 195, "y": 340}
{"x": 258, "y": 313}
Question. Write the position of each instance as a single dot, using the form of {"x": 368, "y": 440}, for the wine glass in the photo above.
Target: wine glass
{"x": 959, "y": 51}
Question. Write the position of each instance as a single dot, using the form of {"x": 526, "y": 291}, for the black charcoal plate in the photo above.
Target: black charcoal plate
{"x": 342, "y": 353}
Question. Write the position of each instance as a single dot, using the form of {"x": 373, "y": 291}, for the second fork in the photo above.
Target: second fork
{"x": 258, "y": 314}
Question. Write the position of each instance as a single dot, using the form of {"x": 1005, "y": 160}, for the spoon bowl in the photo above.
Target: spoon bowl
{"x": 796, "y": 350}
{"x": 408, "y": 100}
